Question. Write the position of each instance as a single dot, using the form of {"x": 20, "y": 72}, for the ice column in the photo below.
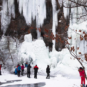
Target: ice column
{"x": 55, "y": 21}
{"x": 33, "y": 9}
{"x": 7, "y": 11}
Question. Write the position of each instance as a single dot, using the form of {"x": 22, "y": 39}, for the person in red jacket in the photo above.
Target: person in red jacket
{"x": 82, "y": 75}
{"x": 22, "y": 69}
{"x": 0, "y": 68}
{"x": 35, "y": 71}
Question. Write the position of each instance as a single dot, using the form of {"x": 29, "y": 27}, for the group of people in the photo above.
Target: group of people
{"x": 20, "y": 69}
{"x": 29, "y": 71}
{"x": 28, "y": 66}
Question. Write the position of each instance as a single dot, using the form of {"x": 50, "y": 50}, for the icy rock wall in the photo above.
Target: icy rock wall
{"x": 9, "y": 51}
{"x": 33, "y": 9}
{"x": 55, "y": 21}
{"x": 8, "y": 44}
{"x": 8, "y": 10}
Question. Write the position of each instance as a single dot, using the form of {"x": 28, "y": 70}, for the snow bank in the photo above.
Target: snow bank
{"x": 66, "y": 65}
{"x": 35, "y": 49}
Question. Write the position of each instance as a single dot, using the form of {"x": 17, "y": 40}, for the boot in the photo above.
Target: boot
{"x": 83, "y": 85}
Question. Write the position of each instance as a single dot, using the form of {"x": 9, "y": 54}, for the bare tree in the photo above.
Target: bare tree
{"x": 78, "y": 9}
{"x": 8, "y": 55}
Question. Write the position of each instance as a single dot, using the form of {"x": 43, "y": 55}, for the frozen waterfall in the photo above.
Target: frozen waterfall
{"x": 33, "y": 9}
{"x": 6, "y": 13}
{"x": 55, "y": 21}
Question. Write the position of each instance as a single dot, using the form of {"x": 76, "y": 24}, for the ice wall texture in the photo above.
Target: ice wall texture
{"x": 75, "y": 40}
{"x": 6, "y": 13}
{"x": 33, "y": 9}
{"x": 36, "y": 50}
{"x": 55, "y": 20}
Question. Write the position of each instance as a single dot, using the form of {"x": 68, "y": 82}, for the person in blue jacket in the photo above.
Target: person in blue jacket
{"x": 15, "y": 71}
{"x": 26, "y": 64}
{"x": 18, "y": 70}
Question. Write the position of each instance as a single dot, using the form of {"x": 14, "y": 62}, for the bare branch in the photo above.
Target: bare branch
{"x": 79, "y": 3}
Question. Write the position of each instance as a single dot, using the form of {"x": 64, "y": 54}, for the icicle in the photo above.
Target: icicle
{"x": 55, "y": 21}
{"x": 33, "y": 9}
{"x": 66, "y": 10}
{"x": 8, "y": 9}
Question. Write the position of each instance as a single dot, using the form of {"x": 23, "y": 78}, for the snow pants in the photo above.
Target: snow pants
{"x": 48, "y": 74}
{"x": 18, "y": 73}
{"x": 0, "y": 72}
{"x": 35, "y": 74}
{"x": 83, "y": 80}
{"x": 22, "y": 71}
{"x": 28, "y": 74}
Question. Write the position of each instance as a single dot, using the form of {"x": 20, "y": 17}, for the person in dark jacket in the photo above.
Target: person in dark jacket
{"x": 28, "y": 70}
{"x": 18, "y": 70}
{"x": 35, "y": 71}
{"x": 0, "y": 68}
{"x": 48, "y": 71}
{"x": 22, "y": 69}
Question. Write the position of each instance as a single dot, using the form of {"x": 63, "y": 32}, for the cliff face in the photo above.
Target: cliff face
{"x": 0, "y": 16}
{"x": 18, "y": 27}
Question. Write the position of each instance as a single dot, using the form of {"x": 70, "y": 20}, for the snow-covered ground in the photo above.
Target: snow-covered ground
{"x": 58, "y": 81}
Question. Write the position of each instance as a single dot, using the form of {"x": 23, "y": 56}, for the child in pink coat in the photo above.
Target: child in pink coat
{"x": 22, "y": 69}
{"x": 82, "y": 75}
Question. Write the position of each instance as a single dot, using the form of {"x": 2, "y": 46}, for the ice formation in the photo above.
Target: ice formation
{"x": 55, "y": 21}
{"x": 7, "y": 11}
{"x": 36, "y": 50}
{"x": 75, "y": 31}
{"x": 33, "y": 9}
{"x": 76, "y": 28}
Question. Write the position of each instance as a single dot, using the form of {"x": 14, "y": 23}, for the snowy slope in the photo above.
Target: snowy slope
{"x": 35, "y": 49}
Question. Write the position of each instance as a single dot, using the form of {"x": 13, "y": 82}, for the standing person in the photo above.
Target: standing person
{"x": 0, "y": 68}
{"x": 15, "y": 72}
{"x": 28, "y": 70}
{"x": 18, "y": 69}
{"x": 48, "y": 71}
{"x": 22, "y": 69}
{"x": 26, "y": 64}
{"x": 35, "y": 71}
{"x": 82, "y": 75}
